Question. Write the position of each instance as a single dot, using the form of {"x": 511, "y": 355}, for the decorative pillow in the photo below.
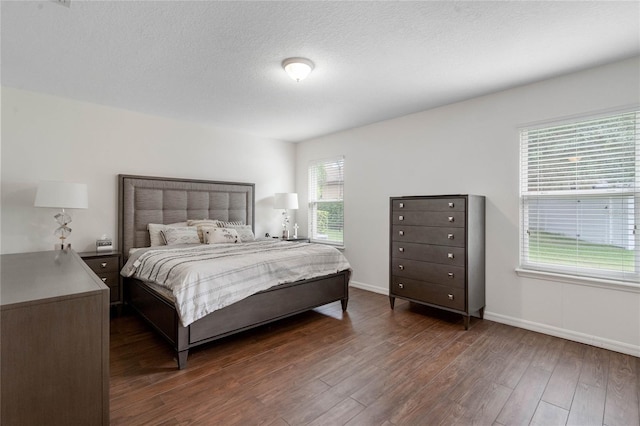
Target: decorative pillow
{"x": 222, "y": 235}
{"x": 156, "y": 228}
{"x": 223, "y": 224}
{"x": 184, "y": 235}
{"x": 199, "y": 223}
{"x": 244, "y": 231}
{"x": 196, "y": 222}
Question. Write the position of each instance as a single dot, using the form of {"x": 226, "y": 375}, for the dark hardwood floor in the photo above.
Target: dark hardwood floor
{"x": 371, "y": 366}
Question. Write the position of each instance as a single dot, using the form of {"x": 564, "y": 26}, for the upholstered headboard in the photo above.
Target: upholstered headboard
{"x": 144, "y": 200}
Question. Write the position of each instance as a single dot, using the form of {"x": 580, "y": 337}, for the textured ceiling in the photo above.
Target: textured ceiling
{"x": 219, "y": 62}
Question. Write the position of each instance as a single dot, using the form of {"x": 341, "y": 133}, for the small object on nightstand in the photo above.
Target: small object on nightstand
{"x": 104, "y": 244}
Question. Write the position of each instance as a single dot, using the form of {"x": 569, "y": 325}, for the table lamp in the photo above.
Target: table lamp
{"x": 286, "y": 201}
{"x": 62, "y": 195}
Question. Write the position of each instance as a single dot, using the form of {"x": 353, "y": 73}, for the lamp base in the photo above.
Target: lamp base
{"x": 62, "y": 246}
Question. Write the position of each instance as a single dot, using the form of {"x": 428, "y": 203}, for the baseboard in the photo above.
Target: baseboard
{"x": 369, "y": 287}
{"x": 576, "y": 336}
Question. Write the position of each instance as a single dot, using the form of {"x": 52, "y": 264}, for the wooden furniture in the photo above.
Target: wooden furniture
{"x": 106, "y": 266}
{"x": 298, "y": 239}
{"x": 55, "y": 341}
{"x": 437, "y": 252}
{"x": 144, "y": 200}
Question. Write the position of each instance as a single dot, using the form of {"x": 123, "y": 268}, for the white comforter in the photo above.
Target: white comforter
{"x": 207, "y": 277}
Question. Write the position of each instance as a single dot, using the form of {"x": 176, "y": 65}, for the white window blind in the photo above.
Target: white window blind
{"x": 326, "y": 206}
{"x": 579, "y": 186}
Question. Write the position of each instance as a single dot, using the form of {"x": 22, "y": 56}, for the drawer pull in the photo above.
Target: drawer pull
{"x": 401, "y": 249}
{"x": 451, "y": 219}
{"x": 401, "y": 232}
{"x": 104, "y": 280}
{"x": 400, "y": 285}
{"x": 103, "y": 265}
{"x": 450, "y": 296}
{"x": 450, "y": 256}
{"x": 401, "y": 205}
{"x": 451, "y": 205}
{"x": 400, "y": 217}
{"x": 451, "y": 274}
{"x": 450, "y": 236}
{"x": 401, "y": 267}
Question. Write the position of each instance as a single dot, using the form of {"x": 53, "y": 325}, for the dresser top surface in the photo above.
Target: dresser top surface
{"x": 28, "y": 277}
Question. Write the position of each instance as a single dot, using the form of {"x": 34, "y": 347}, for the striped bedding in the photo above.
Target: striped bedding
{"x": 207, "y": 277}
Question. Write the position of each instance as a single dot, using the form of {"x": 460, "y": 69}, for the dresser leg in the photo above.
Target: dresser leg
{"x": 482, "y": 313}
{"x": 392, "y": 301}
{"x": 344, "y": 303}
{"x": 466, "y": 321}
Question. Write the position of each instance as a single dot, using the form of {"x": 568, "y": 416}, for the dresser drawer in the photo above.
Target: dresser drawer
{"x": 444, "y": 236}
{"x": 428, "y": 253}
{"x": 451, "y": 219}
{"x": 428, "y": 292}
{"x": 435, "y": 204}
{"x": 446, "y": 275}
{"x": 103, "y": 264}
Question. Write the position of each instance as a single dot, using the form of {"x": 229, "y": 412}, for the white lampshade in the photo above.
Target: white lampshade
{"x": 285, "y": 200}
{"x": 62, "y": 195}
{"x": 298, "y": 68}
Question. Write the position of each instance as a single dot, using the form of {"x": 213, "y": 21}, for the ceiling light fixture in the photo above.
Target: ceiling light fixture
{"x": 297, "y": 68}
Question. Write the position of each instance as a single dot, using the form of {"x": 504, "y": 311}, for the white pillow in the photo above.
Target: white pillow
{"x": 156, "y": 228}
{"x": 221, "y": 235}
{"x": 183, "y": 235}
{"x": 200, "y": 223}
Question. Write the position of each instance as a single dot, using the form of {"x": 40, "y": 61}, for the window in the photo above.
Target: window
{"x": 579, "y": 193}
{"x": 326, "y": 206}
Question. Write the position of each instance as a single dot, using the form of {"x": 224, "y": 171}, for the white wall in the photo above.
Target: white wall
{"x": 473, "y": 147}
{"x": 51, "y": 138}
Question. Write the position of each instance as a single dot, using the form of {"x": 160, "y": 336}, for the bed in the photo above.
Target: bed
{"x": 144, "y": 200}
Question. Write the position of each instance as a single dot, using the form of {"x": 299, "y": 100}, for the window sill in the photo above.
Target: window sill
{"x": 574, "y": 279}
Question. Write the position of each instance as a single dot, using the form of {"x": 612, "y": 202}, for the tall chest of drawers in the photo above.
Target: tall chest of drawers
{"x": 437, "y": 255}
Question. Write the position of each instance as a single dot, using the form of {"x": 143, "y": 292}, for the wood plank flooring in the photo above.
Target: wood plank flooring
{"x": 371, "y": 366}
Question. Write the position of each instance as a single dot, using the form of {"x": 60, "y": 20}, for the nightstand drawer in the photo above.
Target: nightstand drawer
{"x": 103, "y": 264}
{"x": 112, "y": 279}
{"x": 107, "y": 267}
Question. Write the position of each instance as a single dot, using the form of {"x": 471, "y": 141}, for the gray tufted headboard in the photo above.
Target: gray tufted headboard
{"x": 144, "y": 200}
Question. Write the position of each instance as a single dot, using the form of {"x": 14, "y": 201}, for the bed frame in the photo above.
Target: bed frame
{"x": 144, "y": 200}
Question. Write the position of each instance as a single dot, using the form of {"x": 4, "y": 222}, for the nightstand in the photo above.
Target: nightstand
{"x": 301, "y": 239}
{"x": 106, "y": 266}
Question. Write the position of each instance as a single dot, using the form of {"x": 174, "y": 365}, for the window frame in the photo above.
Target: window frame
{"x": 598, "y": 277}
{"x": 313, "y": 202}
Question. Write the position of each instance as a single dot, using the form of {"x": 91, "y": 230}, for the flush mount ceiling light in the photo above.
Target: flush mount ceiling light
{"x": 297, "y": 68}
